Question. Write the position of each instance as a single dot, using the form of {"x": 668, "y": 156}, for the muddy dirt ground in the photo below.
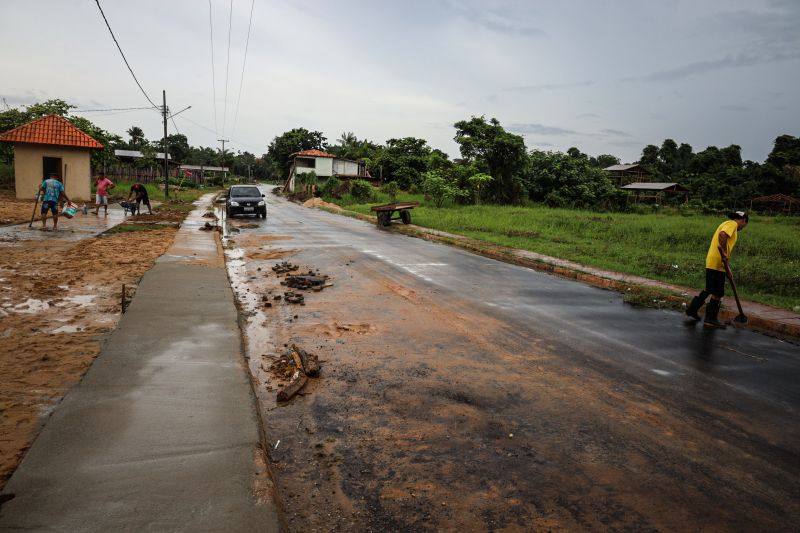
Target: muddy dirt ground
{"x": 430, "y": 415}
{"x": 60, "y": 296}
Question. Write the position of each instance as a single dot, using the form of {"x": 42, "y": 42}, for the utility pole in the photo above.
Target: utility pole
{"x": 166, "y": 148}
{"x": 224, "y": 172}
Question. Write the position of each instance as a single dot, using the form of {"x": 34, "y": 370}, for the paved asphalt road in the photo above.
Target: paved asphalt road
{"x": 478, "y": 395}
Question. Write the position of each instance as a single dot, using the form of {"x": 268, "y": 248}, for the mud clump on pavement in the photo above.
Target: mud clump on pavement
{"x": 296, "y": 365}
{"x": 59, "y": 297}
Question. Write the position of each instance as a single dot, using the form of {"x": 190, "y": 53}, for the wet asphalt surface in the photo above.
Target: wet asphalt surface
{"x": 459, "y": 392}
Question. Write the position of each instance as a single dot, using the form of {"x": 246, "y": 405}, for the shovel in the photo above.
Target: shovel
{"x": 30, "y": 225}
{"x": 741, "y": 318}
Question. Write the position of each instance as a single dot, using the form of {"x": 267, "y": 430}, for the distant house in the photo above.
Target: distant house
{"x": 136, "y": 154}
{"x": 655, "y": 191}
{"x": 51, "y": 146}
{"x": 324, "y": 165}
{"x": 625, "y": 174}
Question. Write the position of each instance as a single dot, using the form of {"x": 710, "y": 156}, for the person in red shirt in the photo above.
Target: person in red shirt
{"x": 103, "y": 185}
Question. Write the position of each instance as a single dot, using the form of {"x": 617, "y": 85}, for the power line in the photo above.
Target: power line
{"x": 123, "y": 55}
{"x": 244, "y": 62}
{"x": 212, "y": 131}
{"x": 113, "y": 109}
{"x": 227, "y": 69}
{"x": 213, "y": 70}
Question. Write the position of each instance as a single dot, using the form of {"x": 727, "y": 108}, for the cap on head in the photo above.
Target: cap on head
{"x": 739, "y": 215}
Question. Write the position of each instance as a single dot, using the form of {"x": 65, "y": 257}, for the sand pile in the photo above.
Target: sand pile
{"x": 319, "y": 202}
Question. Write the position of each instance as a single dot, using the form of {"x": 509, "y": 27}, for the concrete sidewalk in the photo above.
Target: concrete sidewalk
{"x": 162, "y": 433}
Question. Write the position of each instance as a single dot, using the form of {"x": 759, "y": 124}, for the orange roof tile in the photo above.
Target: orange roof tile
{"x": 313, "y": 153}
{"x": 51, "y": 129}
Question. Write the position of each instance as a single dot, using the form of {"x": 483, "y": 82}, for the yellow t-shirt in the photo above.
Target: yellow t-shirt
{"x": 713, "y": 259}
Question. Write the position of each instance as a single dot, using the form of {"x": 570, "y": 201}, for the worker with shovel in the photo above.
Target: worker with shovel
{"x": 53, "y": 191}
{"x": 717, "y": 267}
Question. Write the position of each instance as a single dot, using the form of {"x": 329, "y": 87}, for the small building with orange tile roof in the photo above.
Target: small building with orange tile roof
{"x": 51, "y": 146}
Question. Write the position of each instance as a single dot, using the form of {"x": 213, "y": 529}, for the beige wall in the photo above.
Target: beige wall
{"x": 28, "y": 168}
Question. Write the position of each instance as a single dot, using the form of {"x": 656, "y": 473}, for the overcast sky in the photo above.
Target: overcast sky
{"x": 607, "y": 77}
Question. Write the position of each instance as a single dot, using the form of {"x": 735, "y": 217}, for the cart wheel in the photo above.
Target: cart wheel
{"x": 384, "y": 218}
{"x": 405, "y": 216}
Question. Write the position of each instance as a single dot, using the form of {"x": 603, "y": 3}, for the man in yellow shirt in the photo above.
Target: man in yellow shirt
{"x": 719, "y": 253}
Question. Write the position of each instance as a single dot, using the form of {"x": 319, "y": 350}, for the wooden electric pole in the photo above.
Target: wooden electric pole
{"x": 166, "y": 148}
{"x": 224, "y": 172}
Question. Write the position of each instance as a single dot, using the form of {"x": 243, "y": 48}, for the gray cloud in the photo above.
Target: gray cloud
{"x": 704, "y": 67}
{"x": 734, "y": 108}
{"x": 588, "y": 115}
{"x": 546, "y": 87}
{"x": 497, "y": 20}
{"x": 615, "y": 133}
{"x": 539, "y": 129}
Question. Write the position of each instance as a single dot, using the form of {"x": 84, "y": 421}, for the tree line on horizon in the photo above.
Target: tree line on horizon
{"x": 495, "y": 165}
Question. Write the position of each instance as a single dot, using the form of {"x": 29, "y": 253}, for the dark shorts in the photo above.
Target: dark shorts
{"x": 50, "y": 205}
{"x": 143, "y": 200}
{"x": 715, "y": 282}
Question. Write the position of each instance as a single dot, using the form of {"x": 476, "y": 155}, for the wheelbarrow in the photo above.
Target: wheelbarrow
{"x": 386, "y": 212}
{"x": 130, "y": 207}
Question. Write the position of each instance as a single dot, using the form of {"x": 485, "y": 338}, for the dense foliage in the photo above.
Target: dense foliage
{"x": 495, "y": 166}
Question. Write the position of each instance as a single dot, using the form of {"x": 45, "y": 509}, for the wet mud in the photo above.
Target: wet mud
{"x": 432, "y": 413}
{"x": 58, "y": 298}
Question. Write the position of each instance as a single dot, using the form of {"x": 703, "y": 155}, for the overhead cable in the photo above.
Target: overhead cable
{"x": 244, "y": 62}
{"x": 113, "y": 109}
{"x": 123, "y": 55}
{"x": 227, "y": 69}
{"x": 213, "y": 70}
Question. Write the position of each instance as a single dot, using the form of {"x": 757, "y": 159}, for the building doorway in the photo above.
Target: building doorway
{"x": 51, "y": 166}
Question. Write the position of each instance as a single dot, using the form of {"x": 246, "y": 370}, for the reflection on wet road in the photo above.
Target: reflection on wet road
{"x": 463, "y": 393}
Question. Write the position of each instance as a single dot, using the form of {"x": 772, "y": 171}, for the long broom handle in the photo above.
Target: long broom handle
{"x": 35, "y": 204}
{"x": 733, "y": 284}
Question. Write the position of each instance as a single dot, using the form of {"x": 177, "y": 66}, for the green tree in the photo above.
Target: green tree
{"x": 478, "y": 183}
{"x": 308, "y": 180}
{"x": 391, "y": 189}
{"x": 564, "y": 181}
{"x": 177, "y": 146}
{"x": 402, "y": 160}
{"x": 284, "y": 145}
{"x": 361, "y": 190}
{"x": 604, "y": 161}
{"x": 438, "y": 188}
{"x": 495, "y": 152}
{"x": 136, "y": 136}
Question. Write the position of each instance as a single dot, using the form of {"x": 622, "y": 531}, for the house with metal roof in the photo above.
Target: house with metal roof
{"x": 51, "y": 146}
{"x": 324, "y": 165}
{"x": 625, "y": 174}
{"x": 655, "y": 191}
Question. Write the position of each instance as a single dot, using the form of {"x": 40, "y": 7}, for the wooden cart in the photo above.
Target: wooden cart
{"x": 386, "y": 212}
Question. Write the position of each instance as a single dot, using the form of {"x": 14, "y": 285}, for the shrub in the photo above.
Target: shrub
{"x": 391, "y": 189}
{"x": 438, "y": 188}
{"x": 361, "y": 190}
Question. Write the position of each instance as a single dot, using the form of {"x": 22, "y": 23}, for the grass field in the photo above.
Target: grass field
{"x": 666, "y": 247}
{"x": 156, "y": 192}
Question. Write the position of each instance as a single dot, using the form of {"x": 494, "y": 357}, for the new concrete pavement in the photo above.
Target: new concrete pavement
{"x": 162, "y": 433}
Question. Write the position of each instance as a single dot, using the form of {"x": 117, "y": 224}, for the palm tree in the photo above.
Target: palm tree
{"x": 137, "y": 136}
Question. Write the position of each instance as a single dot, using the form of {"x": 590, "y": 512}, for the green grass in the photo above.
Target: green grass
{"x": 156, "y": 194}
{"x": 667, "y": 247}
